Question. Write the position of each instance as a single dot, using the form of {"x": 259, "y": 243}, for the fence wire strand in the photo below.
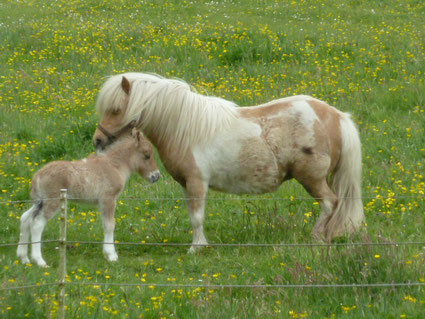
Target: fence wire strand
{"x": 262, "y": 286}
{"x": 240, "y": 245}
{"x": 240, "y": 198}
{"x": 219, "y": 286}
{"x": 28, "y": 286}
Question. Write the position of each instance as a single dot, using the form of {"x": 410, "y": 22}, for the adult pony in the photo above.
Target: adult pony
{"x": 208, "y": 142}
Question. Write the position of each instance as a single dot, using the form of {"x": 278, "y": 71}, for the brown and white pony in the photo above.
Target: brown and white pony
{"x": 208, "y": 142}
{"x": 98, "y": 179}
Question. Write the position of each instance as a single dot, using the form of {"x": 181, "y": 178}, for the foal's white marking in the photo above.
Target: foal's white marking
{"x": 37, "y": 227}
{"x": 108, "y": 246}
{"x": 25, "y": 235}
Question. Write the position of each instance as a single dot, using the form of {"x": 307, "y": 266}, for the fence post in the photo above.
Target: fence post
{"x": 62, "y": 257}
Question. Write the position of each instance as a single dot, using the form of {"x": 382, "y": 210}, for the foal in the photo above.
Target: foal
{"x": 98, "y": 179}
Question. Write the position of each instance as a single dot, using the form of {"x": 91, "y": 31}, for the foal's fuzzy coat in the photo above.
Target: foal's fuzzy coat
{"x": 98, "y": 179}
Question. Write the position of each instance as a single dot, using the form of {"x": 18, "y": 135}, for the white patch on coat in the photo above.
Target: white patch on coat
{"x": 218, "y": 160}
{"x": 304, "y": 112}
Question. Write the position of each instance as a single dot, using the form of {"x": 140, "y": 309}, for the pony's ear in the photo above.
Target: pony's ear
{"x": 125, "y": 84}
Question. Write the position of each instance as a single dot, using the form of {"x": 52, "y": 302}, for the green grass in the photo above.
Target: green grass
{"x": 364, "y": 57}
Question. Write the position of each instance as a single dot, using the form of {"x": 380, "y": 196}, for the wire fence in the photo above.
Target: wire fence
{"x": 219, "y": 286}
{"x": 228, "y": 198}
{"x": 63, "y": 242}
{"x": 237, "y": 245}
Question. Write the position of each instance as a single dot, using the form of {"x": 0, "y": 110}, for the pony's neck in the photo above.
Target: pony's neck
{"x": 182, "y": 119}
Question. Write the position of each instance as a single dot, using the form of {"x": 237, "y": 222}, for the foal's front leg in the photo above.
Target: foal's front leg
{"x": 196, "y": 192}
{"x": 107, "y": 207}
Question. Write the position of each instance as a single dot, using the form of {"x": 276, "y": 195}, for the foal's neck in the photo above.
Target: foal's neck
{"x": 120, "y": 156}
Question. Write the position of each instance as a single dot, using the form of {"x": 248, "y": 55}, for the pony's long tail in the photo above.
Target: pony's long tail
{"x": 346, "y": 183}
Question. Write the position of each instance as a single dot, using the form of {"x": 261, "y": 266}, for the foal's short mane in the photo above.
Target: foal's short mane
{"x": 169, "y": 108}
{"x": 122, "y": 143}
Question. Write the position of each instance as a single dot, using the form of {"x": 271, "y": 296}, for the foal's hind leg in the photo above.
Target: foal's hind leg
{"x": 39, "y": 221}
{"x": 107, "y": 206}
{"x": 24, "y": 235}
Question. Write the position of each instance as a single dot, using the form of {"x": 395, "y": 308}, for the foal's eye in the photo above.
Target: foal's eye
{"x": 116, "y": 112}
{"x": 147, "y": 156}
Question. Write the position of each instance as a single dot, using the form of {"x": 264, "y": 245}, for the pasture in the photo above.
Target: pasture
{"x": 364, "y": 57}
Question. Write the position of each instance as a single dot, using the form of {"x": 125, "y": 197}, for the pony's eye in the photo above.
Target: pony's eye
{"x": 116, "y": 111}
{"x": 147, "y": 156}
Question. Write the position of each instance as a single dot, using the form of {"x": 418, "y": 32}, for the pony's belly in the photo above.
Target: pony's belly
{"x": 253, "y": 171}
{"x": 253, "y": 184}
{"x": 239, "y": 161}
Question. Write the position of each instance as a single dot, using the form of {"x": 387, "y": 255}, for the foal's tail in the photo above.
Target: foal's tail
{"x": 346, "y": 183}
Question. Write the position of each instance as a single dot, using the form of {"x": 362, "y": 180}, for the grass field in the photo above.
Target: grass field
{"x": 364, "y": 57}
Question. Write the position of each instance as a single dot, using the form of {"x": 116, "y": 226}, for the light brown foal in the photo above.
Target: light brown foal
{"x": 99, "y": 179}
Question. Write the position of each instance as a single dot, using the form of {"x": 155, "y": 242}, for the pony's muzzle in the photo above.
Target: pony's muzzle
{"x": 98, "y": 144}
{"x": 154, "y": 176}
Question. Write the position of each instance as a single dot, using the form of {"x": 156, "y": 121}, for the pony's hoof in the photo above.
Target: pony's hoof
{"x": 319, "y": 237}
{"x": 196, "y": 248}
{"x": 24, "y": 260}
{"x": 112, "y": 258}
{"x": 41, "y": 263}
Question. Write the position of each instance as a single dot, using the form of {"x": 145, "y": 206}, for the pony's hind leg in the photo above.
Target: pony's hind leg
{"x": 107, "y": 207}
{"x": 40, "y": 220}
{"x": 321, "y": 191}
{"x": 25, "y": 230}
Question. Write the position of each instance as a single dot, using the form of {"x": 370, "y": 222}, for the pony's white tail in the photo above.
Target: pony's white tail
{"x": 346, "y": 183}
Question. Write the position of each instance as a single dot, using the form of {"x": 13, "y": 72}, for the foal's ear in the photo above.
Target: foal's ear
{"x": 125, "y": 84}
{"x": 137, "y": 135}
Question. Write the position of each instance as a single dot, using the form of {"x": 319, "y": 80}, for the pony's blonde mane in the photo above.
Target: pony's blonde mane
{"x": 169, "y": 109}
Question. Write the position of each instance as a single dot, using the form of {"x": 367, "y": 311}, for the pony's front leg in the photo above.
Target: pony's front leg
{"x": 196, "y": 192}
{"x": 108, "y": 211}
